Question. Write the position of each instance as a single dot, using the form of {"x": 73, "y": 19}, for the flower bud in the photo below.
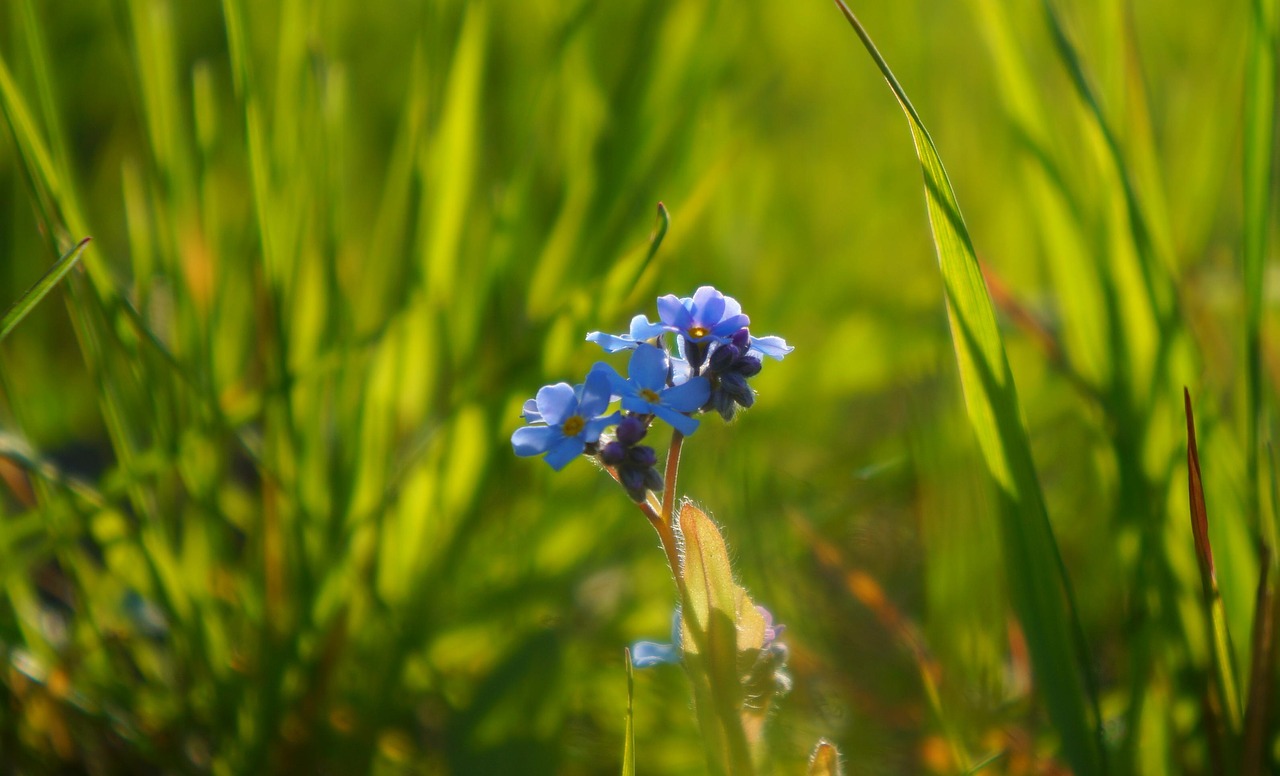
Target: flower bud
{"x": 747, "y": 366}
{"x": 641, "y": 457}
{"x": 632, "y": 480}
{"x": 695, "y": 353}
{"x": 613, "y": 454}
{"x": 723, "y": 358}
{"x": 630, "y": 431}
{"x": 735, "y": 386}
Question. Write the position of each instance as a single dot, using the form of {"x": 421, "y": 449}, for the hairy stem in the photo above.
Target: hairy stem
{"x": 669, "y": 479}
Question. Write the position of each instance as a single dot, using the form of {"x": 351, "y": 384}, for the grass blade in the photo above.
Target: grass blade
{"x": 1038, "y": 583}
{"x": 1219, "y": 636}
{"x": 1258, "y": 177}
{"x": 629, "y": 747}
{"x": 1261, "y": 673}
{"x": 41, "y": 289}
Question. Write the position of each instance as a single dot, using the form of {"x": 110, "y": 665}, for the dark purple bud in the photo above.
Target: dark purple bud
{"x": 722, "y": 403}
{"x": 631, "y": 479}
{"x": 735, "y": 385}
{"x": 741, "y": 339}
{"x": 747, "y": 366}
{"x": 695, "y": 353}
{"x": 723, "y": 358}
{"x": 630, "y": 431}
{"x": 613, "y": 453}
{"x": 641, "y": 457}
{"x": 653, "y": 480}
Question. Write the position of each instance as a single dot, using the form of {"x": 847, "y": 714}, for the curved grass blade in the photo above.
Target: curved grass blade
{"x": 41, "y": 289}
{"x": 1038, "y": 584}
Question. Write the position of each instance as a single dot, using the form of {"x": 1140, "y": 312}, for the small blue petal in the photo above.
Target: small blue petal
{"x": 631, "y": 402}
{"x": 595, "y": 427}
{"x": 618, "y": 384}
{"x": 642, "y": 329}
{"x": 648, "y": 368}
{"x": 773, "y": 347}
{"x": 673, "y": 313}
{"x": 530, "y": 412}
{"x": 568, "y": 449}
{"x": 708, "y": 306}
{"x": 595, "y": 394}
{"x": 731, "y": 308}
{"x": 610, "y": 342}
{"x": 727, "y": 326}
{"x": 688, "y": 396}
{"x": 535, "y": 440}
{"x": 557, "y": 402}
{"x": 647, "y": 654}
{"x": 682, "y": 423}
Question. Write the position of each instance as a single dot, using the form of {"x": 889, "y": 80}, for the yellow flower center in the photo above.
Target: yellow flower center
{"x": 573, "y": 425}
{"x": 698, "y": 332}
{"x": 649, "y": 395}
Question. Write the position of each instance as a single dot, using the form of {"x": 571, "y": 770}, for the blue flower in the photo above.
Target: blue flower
{"x": 707, "y": 315}
{"x": 647, "y": 392}
{"x": 641, "y": 330}
{"x": 573, "y": 419}
{"x": 647, "y": 654}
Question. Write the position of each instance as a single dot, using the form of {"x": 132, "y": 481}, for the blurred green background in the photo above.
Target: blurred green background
{"x": 261, "y": 512}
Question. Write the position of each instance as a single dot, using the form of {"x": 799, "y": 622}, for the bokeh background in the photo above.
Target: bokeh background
{"x": 260, "y": 510}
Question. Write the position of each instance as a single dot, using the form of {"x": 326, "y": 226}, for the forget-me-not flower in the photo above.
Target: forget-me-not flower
{"x": 641, "y": 330}
{"x": 573, "y": 419}
{"x": 646, "y": 391}
{"x": 707, "y": 315}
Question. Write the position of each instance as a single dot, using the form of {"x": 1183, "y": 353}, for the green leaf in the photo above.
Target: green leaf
{"x": 41, "y": 289}
{"x": 1038, "y": 584}
{"x": 709, "y": 637}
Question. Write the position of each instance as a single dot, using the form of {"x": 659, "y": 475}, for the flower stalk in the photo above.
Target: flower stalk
{"x": 695, "y": 360}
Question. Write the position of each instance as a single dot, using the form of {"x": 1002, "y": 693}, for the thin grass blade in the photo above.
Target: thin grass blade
{"x": 1258, "y": 178}
{"x": 1039, "y": 587}
{"x": 41, "y": 289}
{"x": 629, "y": 747}
{"x": 1220, "y": 637}
{"x": 1261, "y": 672}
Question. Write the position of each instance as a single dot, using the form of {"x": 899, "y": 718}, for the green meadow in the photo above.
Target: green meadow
{"x": 259, "y": 507}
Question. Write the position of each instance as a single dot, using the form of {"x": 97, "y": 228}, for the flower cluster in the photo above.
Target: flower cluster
{"x": 696, "y": 358}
